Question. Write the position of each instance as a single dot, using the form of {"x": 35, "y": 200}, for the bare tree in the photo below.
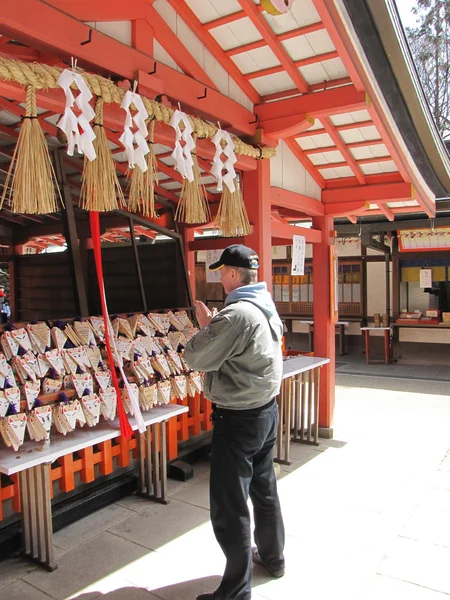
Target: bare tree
{"x": 429, "y": 41}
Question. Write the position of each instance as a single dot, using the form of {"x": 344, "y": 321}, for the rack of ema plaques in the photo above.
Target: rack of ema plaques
{"x": 58, "y": 411}
{"x": 298, "y": 403}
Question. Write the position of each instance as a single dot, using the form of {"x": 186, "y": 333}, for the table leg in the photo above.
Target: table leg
{"x": 341, "y": 340}
{"x": 316, "y": 404}
{"x": 310, "y": 406}
{"x": 311, "y": 338}
{"x": 287, "y": 422}
{"x": 37, "y": 515}
{"x": 366, "y": 339}
{"x": 386, "y": 347}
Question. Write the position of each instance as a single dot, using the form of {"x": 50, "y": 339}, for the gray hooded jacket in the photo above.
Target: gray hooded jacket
{"x": 240, "y": 350}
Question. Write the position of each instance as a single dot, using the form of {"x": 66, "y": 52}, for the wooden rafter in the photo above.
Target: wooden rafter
{"x": 278, "y": 49}
{"x": 339, "y": 142}
{"x": 297, "y": 64}
{"x": 225, "y": 20}
{"x": 214, "y": 47}
{"x": 305, "y": 161}
{"x": 176, "y": 49}
{"x": 281, "y": 37}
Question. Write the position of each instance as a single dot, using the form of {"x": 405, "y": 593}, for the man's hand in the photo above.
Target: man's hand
{"x": 204, "y": 315}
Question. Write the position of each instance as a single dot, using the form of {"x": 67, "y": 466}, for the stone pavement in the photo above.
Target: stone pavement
{"x": 367, "y": 517}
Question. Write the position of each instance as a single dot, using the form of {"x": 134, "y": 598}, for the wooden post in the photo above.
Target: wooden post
{"x": 71, "y": 235}
{"x": 324, "y": 328}
{"x": 138, "y": 264}
{"x": 395, "y": 278}
{"x": 256, "y": 191}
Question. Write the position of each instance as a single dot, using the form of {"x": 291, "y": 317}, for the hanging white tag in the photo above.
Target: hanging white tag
{"x": 182, "y": 154}
{"x": 135, "y": 144}
{"x": 70, "y": 123}
{"x": 228, "y": 165}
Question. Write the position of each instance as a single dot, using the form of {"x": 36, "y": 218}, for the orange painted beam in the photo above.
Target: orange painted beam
{"x": 380, "y": 178}
{"x": 315, "y": 87}
{"x": 285, "y": 127}
{"x": 54, "y": 100}
{"x": 389, "y": 192}
{"x": 342, "y": 209}
{"x": 305, "y": 161}
{"x": 326, "y": 149}
{"x": 197, "y": 27}
{"x": 102, "y": 10}
{"x": 364, "y": 161}
{"x": 263, "y": 27}
{"x": 320, "y": 104}
{"x": 286, "y": 231}
{"x": 287, "y": 35}
{"x": 387, "y": 212}
{"x": 176, "y": 49}
{"x": 63, "y": 35}
{"x": 295, "y": 201}
{"x": 341, "y": 146}
{"x": 348, "y": 127}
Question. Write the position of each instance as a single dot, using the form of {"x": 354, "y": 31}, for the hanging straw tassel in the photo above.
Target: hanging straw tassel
{"x": 31, "y": 172}
{"x": 193, "y": 205}
{"x": 100, "y": 187}
{"x": 142, "y": 188}
{"x": 232, "y": 216}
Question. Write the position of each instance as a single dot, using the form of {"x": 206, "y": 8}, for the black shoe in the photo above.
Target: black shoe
{"x": 258, "y": 560}
{"x": 211, "y": 596}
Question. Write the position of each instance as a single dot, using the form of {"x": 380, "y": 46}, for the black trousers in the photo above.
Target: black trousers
{"x": 242, "y": 465}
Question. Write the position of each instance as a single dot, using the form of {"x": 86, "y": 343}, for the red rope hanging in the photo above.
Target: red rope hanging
{"x": 125, "y": 427}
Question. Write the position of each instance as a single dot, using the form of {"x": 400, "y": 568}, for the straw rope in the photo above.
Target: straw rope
{"x": 44, "y": 77}
{"x": 31, "y": 173}
{"x": 141, "y": 196}
{"x": 100, "y": 187}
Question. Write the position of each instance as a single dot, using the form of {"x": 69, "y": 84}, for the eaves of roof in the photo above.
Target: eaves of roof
{"x": 382, "y": 38}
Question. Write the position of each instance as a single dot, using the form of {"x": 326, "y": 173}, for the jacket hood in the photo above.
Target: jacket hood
{"x": 257, "y": 294}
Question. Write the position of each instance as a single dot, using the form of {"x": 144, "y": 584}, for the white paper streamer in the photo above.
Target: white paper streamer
{"x": 70, "y": 123}
{"x": 182, "y": 154}
{"x": 135, "y": 143}
{"x": 228, "y": 164}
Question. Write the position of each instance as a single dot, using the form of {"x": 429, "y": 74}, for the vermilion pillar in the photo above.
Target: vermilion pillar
{"x": 256, "y": 191}
{"x": 324, "y": 329}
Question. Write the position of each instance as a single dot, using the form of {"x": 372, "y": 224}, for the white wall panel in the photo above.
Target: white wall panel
{"x": 286, "y": 172}
{"x": 119, "y": 30}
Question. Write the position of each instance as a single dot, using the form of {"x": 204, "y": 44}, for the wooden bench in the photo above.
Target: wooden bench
{"x": 32, "y": 464}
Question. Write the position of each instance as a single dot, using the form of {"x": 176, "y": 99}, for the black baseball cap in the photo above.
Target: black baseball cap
{"x": 237, "y": 255}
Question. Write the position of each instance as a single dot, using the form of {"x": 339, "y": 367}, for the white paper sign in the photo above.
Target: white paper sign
{"x": 298, "y": 255}
{"x": 213, "y": 256}
{"x": 426, "y": 278}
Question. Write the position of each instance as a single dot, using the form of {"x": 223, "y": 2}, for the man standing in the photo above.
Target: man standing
{"x": 239, "y": 349}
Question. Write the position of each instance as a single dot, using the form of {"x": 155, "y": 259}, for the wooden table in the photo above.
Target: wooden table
{"x": 397, "y": 326}
{"x": 386, "y": 331}
{"x": 340, "y": 326}
{"x": 298, "y": 403}
{"x": 33, "y": 459}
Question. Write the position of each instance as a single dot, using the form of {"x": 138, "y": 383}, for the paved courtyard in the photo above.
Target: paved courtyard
{"x": 367, "y": 517}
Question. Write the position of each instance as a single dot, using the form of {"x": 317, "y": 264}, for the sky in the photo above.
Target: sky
{"x": 404, "y": 8}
